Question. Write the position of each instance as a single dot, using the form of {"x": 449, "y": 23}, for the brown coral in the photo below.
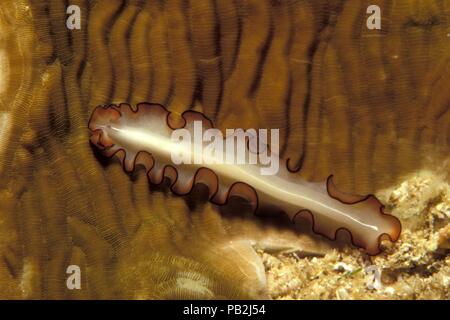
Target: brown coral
{"x": 365, "y": 105}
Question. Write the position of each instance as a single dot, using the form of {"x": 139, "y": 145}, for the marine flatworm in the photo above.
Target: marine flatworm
{"x": 142, "y": 136}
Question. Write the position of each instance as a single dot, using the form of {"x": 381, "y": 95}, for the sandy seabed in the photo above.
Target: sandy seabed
{"x": 415, "y": 267}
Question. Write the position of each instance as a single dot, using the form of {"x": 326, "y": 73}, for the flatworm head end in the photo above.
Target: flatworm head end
{"x": 103, "y": 117}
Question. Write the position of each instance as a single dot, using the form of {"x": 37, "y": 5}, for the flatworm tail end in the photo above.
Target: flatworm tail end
{"x": 372, "y": 224}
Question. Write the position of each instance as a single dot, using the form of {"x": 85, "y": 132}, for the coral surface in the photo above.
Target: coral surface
{"x": 369, "y": 106}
